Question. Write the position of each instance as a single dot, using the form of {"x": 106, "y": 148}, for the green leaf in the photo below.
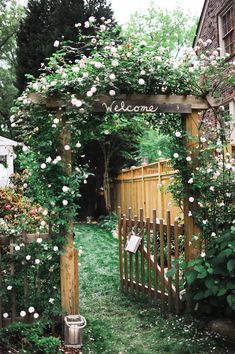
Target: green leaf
{"x": 231, "y": 265}
{"x": 208, "y": 293}
{"x": 232, "y": 245}
{"x": 209, "y": 283}
{"x": 222, "y": 292}
{"x": 210, "y": 270}
{"x": 231, "y": 301}
{"x": 199, "y": 296}
{"x": 171, "y": 272}
{"x": 202, "y": 275}
{"x": 225, "y": 253}
{"x": 199, "y": 268}
{"x": 231, "y": 285}
{"x": 191, "y": 276}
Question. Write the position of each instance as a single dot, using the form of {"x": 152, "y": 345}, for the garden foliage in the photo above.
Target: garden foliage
{"x": 37, "y": 262}
{"x": 115, "y": 66}
{"x": 10, "y": 14}
{"x": 34, "y": 47}
{"x": 28, "y": 339}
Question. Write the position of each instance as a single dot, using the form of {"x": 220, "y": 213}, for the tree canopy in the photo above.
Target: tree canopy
{"x": 10, "y": 15}
{"x": 58, "y": 20}
{"x": 173, "y": 30}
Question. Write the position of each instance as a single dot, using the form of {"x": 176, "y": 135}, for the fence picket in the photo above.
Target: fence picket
{"x": 125, "y": 252}
{"x": 136, "y": 260}
{"x": 162, "y": 265}
{"x": 155, "y": 255}
{"x": 142, "y": 251}
{"x": 130, "y": 254}
{"x": 120, "y": 249}
{"x": 176, "y": 237}
{"x": 168, "y": 233}
{"x": 148, "y": 256}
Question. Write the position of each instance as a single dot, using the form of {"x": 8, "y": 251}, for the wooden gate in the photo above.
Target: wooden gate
{"x": 144, "y": 274}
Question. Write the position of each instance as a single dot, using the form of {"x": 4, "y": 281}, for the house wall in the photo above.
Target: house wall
{"x": 209, "y": 28}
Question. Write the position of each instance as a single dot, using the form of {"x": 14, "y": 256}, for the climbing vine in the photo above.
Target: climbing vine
{"x": 110, "y": 64}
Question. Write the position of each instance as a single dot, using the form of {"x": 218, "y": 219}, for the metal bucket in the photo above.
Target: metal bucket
{"x": 73, "y": 330}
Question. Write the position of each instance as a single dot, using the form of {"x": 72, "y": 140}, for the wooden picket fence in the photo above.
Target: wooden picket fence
{"x": 146, "y": 187}
{"x": 144, "y": 274}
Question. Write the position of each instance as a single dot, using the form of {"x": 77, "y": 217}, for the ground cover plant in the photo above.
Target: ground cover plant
{"x": 117, "y": 324}
{"x": 24, "y": 338}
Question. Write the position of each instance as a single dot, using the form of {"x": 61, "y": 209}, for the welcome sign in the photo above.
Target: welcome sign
{"x": 131, "y": 106}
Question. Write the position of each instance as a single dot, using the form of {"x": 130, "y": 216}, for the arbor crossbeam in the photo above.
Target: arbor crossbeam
{"x": 135, "y": 103}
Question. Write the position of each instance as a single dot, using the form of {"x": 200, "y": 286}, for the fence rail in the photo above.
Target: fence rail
{"x": 144, "y": 273}
{"x": 146, "y": 187}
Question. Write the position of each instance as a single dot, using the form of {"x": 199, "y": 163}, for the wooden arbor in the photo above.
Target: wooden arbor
{"x": 188, "y": 106}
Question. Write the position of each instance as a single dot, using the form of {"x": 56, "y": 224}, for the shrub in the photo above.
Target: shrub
{"x": 212, "y": 276}
{"x": 17, "y": 213}
{"x": 109, "y": 222}
{"x": 29, "y": 338}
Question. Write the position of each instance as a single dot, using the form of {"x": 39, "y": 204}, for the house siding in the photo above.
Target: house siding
{"x": 209, "y": 29}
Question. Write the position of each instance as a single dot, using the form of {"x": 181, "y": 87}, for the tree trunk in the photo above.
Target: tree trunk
{"x": 107, "y": 189}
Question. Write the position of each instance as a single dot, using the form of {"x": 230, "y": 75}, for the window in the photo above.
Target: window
{"x": 227, "y": 30}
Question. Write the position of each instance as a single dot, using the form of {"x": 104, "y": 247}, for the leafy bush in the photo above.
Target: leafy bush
{"x": 17, "y": 213}
{"x": 212, "y": 277}
{"x": 109, "y": 222}
{"x": 28, "y": 337}
{"x": 154, "y": 145}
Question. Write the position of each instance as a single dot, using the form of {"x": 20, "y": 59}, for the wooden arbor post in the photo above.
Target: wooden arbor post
{"x": 69, "y": 258}
{"x": 192, "y": 247}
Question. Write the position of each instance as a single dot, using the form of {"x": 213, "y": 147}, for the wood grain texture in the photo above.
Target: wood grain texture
{"x": 142, "y": 251}
{"x": 137, "y": 276}
{"x": 148, "y": 256}
{"x": 168, "y": 235}
{"x": 146, "y": 187}
{"x": 177, "y": 296}
{"x": 162, "y": 265}
{"x": 125, "y": 252}
{"x": 130, "y": 254}
{"x": 120, "y": 237}
{"x": 140, "y": 99}
{"x": 69, "y": 258}
{"x": 155, "y": 254}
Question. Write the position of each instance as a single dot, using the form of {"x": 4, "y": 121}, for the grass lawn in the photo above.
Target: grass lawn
{"x": 118, "y": 325}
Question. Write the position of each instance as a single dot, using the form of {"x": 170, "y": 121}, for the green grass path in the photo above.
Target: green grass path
{"x": 117, "y": 325}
